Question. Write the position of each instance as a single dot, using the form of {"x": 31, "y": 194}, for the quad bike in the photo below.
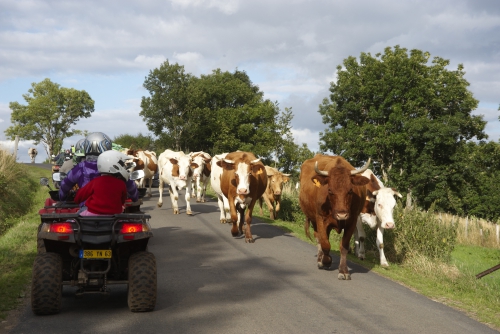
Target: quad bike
{"x": 92, "y": 253}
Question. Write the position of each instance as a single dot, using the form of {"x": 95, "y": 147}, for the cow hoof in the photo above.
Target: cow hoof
{"x": 159, "y": 204}
{"x": 344, "y": 277}
{"x": 222, "y": 221}
{"x": 198, "y": 201}
{"x": 189, "y": 212}
{"x": 322, "y": 266}
{"x": 176, "y": 212}
{"x": 148, "y": 195}
{"x": 384, "y": 265}
{"x": 249, "y": 240}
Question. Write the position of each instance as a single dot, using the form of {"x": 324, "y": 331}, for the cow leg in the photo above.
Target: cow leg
{"x": 359, "y": 239}
{"x": 380, "y": 246}
{"x": 160, "y": 190}
{"x": 150, "y": 183}
{"x": 270, "y": 206}
{"x": 322, "y": 238}
{"x": 277, "y": 209}
{"x": 344, "y": 249}
{"x": 188, "y": 198}
{"x": 203, "y": 190}
{"x": 248, "y": 221}
{"x": 174, "y": 197}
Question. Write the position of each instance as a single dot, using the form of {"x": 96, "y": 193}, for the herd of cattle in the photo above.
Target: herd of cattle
{"x": 333, "y": 194}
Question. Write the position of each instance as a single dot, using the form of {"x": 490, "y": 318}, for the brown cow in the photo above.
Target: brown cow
{"x": 331, "y": 196}
{"x": 272, "y": 195}
{"x": 243, "y": 181}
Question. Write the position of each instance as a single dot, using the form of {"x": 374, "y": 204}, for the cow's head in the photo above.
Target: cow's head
{"x": 341, "y": 183}
{"x": 201, "y": 160}
{"x": 243, "y": 169}
{"x": 182, "y": 167}
{"x": 384, "y": 206}
{"x": 276, "y": 180}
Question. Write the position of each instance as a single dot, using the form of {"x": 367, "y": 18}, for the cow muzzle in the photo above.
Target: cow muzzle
{"x": 242, "y": 191}
{"x": 388, "y": 225}
{"x": 342, "y": 215}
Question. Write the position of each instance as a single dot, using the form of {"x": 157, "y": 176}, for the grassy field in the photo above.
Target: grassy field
{"x": 18, "y": 248}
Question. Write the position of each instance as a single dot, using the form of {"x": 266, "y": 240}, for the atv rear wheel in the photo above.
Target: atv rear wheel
{"x": 142, "y": 282}
{"x": 46, "y": 284}
{"x": 40, "y": 246}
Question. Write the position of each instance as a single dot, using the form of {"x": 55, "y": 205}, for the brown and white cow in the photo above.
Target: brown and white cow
{"x": 201, "y": 174}
{"x": 272, "y": 195}
{"x": 332, "y": 194}
{"x": 243, "y": 181}
{"x": 146, "y": 161}
{"x": 32, "y": 152}
{"x": 176, "y": 170}
{"x": 376, "y": 213}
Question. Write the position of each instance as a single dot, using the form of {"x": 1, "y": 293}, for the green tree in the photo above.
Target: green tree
{"x": 139, "y": 141}
{"x": 165, "y": 110}
{"x": 412, "y": 118}
{"x": 49, "y": 114}
{"x": 218, "y": 112}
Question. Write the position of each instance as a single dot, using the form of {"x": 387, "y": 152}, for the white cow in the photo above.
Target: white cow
{"x": 146, "y": 161}
{"x": 176, "y": 171}
{"x": 215, "y": 177}
{"x": 201, "y": 174}
{"x": 32, "y": 152}
{"x": 376, "y": 213}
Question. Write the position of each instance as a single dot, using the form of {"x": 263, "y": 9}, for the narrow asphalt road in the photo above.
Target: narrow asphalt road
{"x": 211, "y": 282}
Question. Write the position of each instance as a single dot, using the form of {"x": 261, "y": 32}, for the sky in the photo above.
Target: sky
{"x": 289, "y": 48}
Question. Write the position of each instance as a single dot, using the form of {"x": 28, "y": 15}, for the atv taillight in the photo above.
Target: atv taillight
{"x": 61, "y": 228}
{"x": 128, "y": 228}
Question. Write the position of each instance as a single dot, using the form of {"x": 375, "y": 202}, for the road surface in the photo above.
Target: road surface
{"x": 211, "y": 282}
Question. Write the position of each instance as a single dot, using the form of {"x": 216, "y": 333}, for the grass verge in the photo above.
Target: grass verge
{"x": 18, "y": 248}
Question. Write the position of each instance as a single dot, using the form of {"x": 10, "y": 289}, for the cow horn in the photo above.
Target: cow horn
{"x": 228, "y": 161}
{"x": 255, "y": 161}
{"x": 365, "y": 167}
{"x": 320, "y": 172}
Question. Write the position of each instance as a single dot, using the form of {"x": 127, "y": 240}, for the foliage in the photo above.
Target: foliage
{"x": 416, "y": 232}
{"x": 18, "y": 245}
{"x": 411, "y": 118}
{"x": 17, "y": 189}
{"x": 215, "y": 113}
{"x": 139, "y": 141}
{"x": 49, "y": 114}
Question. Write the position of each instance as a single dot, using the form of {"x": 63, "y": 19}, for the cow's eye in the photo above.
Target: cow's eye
{"x": 330, "y": 192}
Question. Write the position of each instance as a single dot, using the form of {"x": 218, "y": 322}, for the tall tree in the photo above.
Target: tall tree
{"x": 165, "y": 110}
{"x": 411, "y": 117}
{"x": 139, "y": 141}
{"x": 49, "y": 114}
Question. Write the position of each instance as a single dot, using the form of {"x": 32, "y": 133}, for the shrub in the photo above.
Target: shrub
{"x": 416, "y": 232}
{"x": 17, "y": 189}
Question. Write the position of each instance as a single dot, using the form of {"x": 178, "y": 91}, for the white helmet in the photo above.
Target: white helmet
{"x": 114, "y": 162}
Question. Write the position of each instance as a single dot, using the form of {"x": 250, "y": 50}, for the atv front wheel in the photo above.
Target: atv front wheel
{"x": 142, "y": 282}
{"x": 46, "y": 284}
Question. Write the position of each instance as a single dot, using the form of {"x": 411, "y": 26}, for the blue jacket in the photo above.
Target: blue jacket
{"x": 85, "y": 171}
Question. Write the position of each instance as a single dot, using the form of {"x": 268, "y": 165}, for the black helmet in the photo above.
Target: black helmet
{"x": 96, "y": 143}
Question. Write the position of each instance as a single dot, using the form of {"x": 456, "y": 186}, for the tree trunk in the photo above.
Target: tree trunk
{"x": 408, "y": 200}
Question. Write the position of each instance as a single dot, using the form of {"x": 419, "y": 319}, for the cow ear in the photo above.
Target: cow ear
{"x": 286, "y": 179}
{"x": 173, "y": 161}
{"x": 359, "y": 180}
{"x": 319, "y": 180}
{"x": 194, "y": 165}
{"x": 257, "y": 169}
{"x": 371, "y": 195}
{"x": 227, "y": 166}
{"x": 219, "y": 163}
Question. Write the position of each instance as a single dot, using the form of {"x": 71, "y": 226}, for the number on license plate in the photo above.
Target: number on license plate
{"x": 95, "y": 254}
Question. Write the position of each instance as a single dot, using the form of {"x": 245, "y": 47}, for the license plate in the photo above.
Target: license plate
{"x": 95, "y": 254}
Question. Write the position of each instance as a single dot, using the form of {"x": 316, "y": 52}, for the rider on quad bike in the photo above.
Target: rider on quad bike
{"x": 93, "y": 252}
